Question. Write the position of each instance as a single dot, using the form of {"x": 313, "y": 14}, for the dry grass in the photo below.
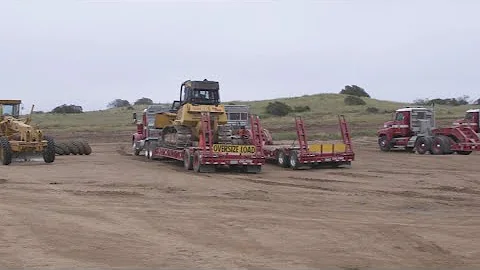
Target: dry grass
{"x": 321, "y": 121}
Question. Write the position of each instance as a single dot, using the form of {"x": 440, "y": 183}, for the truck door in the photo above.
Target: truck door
{"x": 401, "y": 124}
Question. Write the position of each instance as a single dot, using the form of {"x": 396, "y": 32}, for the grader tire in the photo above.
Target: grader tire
{"x": 79, "y": 145}
{"x": 73, "y": 148}
{"x": 86, "y": 147}
{"x": 5, "y": 151}
{"x": 49, "y": 151}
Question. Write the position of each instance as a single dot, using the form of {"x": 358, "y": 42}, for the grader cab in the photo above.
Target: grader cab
{"x": 19, "y": 139}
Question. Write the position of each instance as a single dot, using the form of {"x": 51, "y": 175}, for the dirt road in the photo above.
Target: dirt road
{"x": 114, "y": 210}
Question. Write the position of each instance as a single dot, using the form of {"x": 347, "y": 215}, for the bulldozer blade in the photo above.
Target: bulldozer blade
{"x": 28, "y": 157}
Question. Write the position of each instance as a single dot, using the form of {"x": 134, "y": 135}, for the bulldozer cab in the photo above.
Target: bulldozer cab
{"x": 10, "y": 108}
{"x": 199, "y": 93}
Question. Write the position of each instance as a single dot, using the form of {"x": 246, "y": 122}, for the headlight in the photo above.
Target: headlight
{"x": 385, "y": 126}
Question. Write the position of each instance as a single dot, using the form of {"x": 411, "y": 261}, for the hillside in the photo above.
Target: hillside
{"x": 321, "y": 121}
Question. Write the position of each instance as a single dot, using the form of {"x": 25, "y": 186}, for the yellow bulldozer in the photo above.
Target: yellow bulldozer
{"x": 19, "y": 139}
{"x": 181, "y": 125}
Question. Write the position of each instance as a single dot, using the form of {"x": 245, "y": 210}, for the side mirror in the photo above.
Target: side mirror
{"x": 134, "y": 116}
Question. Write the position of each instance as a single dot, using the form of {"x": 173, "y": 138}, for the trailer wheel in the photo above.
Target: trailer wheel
{"x": 283, "y": 159}
{"x": 294, "y": 161}
{"x": 198, "y": 167}
{"x": 188, "y": 160}
{"x": 423, "y": 145}
{"x": 5, "y": 151}
{"x": 383, "y": 143}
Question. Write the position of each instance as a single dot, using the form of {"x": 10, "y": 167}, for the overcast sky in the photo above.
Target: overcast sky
{"x": 89, "y": 53}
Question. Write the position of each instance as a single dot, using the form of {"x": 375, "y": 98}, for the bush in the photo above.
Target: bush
{"x": 278, "y": 108}
{"x": 68, "y": 109}
{"x": 372, "y": 110}
{"x": 143, "y": 101}
{"x": 354, "y": 90}
{"x": 118, "y": 103}
{"x": 353, "y": 100}
{"x": 301, "y": 109}
{"x": 443, "y": 101}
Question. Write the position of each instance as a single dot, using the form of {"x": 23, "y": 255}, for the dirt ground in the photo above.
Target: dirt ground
{"x": 111, "y": 209}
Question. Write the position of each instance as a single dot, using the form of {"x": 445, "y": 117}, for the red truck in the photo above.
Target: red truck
{"x": 146, "y": 132}
{"x": 413, "y": 129}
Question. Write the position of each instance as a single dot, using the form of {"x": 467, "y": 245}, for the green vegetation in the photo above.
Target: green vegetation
{"x": 320, "y": 117}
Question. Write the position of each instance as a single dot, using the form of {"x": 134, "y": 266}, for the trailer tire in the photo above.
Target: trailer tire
{"x": 198, "y": 167}
{"x": 384, "y": 143}
{"x": 187, "y": 160}
{"x": 464, "y": 153}
{"x": 5, "y": 151}
{"x": 283, "y": 159}
{"x": 294, "y": 160}
{"x": 423, "y": 145}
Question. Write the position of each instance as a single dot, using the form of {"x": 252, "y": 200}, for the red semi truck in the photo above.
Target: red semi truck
{"x": 413, "y": 129}
{"x": 146, "y": 131}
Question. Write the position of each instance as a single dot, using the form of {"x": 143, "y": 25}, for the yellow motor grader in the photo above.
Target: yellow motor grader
{"x": 19, "y": 139}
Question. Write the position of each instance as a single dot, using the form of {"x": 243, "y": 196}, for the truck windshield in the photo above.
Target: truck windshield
{"x": 469, "y": 116}
{"x": 150, "y": 120}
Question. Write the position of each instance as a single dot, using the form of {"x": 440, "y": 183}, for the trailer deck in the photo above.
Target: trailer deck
{"x": 314, "y": 155}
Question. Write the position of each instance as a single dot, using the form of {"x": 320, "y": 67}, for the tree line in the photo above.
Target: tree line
{"x": 354, "y": 96}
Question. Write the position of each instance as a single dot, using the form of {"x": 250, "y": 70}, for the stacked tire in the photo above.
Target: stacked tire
{"x": 72, "y": 147}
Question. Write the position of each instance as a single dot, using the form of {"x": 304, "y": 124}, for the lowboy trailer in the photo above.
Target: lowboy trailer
{"x": 315, "y": 155}
{"x": 206, "y": 156}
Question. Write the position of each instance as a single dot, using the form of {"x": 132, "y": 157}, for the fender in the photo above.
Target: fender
{"x": 385, "y": 132}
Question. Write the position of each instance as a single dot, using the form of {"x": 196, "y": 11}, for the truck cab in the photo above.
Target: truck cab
{"x": 237, "y": 116}
{"x": 146, "y": 126}
{"x": 471, "y": 119}
{"x": 405, "y": 126}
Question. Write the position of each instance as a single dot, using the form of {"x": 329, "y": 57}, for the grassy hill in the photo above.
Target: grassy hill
{"x": 321, "y": 121}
